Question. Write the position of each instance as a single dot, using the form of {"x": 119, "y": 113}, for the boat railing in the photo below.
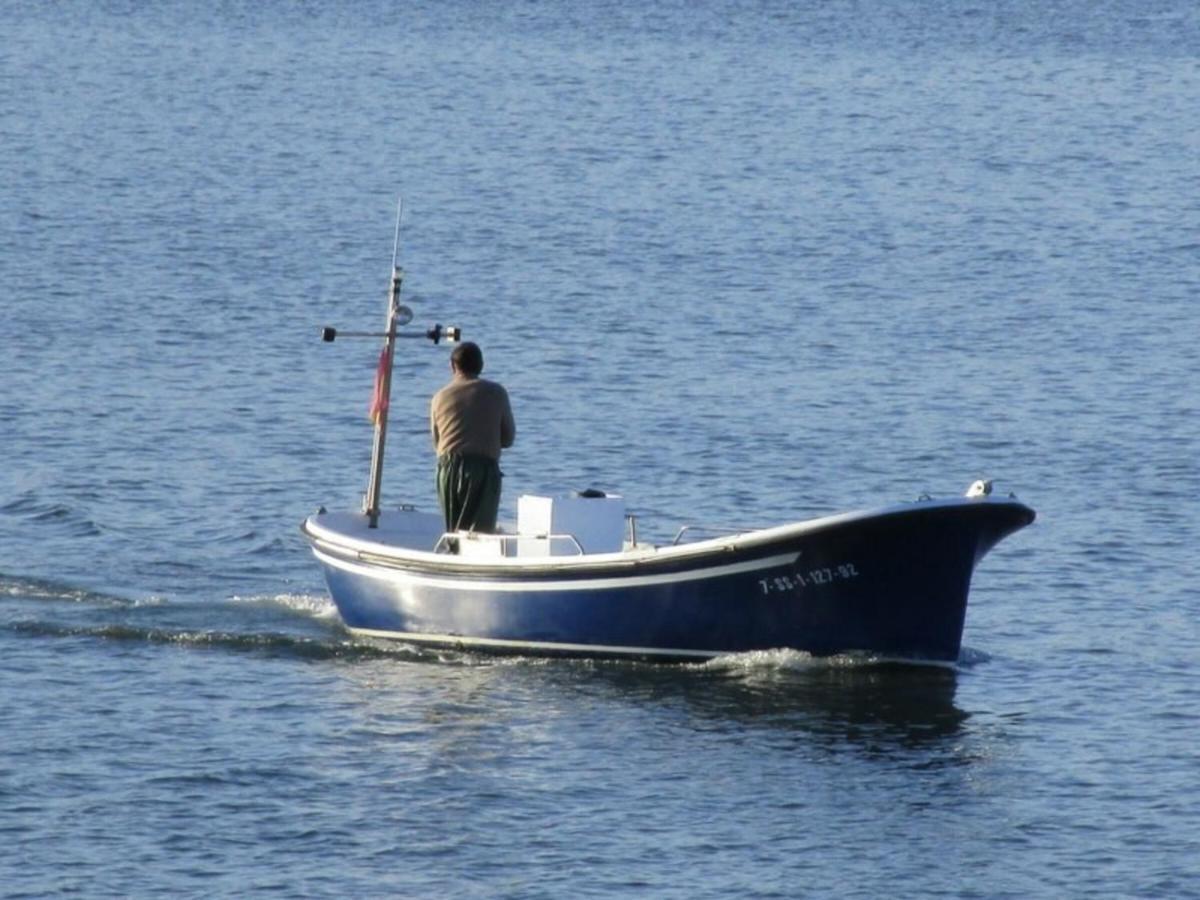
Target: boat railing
{"x": 501, "y": 543}
{"x": 551, "y": 538}
{"x": 453, "y": 542}
{"x": 717, "y": 530}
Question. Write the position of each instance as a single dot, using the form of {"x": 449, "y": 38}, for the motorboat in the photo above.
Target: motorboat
{"x": 891, "y": 582}
{"x": 572, "y": 577}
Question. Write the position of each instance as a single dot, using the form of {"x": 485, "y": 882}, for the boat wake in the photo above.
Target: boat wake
{"x": 787, "y": 660}
{"x": 285, "y": 624}
{"x": 273, "y": 643}
{"x": 38, "y": 589}
{"x": 317, "y": 607}
{"x": 784, "y": 659}
{"x": 307, "y": 626}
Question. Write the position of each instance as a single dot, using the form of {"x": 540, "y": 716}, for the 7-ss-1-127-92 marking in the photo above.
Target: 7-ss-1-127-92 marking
{"x": 808, "y": 578}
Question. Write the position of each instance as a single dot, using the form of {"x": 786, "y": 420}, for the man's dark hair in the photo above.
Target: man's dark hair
{"x": 467, "y": 358}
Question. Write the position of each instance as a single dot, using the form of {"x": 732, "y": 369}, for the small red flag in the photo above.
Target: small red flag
{"x": 379, "y": 400}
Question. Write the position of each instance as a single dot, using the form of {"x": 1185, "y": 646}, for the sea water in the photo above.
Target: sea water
{"x": 742, "y": 263}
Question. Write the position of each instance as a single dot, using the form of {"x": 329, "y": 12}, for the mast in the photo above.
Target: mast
{"x": 397, "y": 316}
{"x": 375, "y": 481}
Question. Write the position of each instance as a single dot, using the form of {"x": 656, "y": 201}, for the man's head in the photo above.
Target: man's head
{"x": 467, "y": 358}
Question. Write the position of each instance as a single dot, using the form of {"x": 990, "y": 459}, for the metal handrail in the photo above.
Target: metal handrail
{"x": 442, "y": 546}
{"x": 556, "y": 537}
{"x": 709, "y": 529}
{"x": 443, "y": 543}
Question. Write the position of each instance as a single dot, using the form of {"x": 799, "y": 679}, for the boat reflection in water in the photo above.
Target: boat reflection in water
{"x": 839, "y": 701}
{"x": 846, "y": 703}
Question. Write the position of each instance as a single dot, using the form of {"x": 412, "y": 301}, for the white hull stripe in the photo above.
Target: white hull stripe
{"x": 459, "y": 583}
{"x": 497, "y": 643}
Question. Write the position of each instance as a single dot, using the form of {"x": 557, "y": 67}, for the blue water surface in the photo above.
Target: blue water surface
{"x": 742, "y": 262}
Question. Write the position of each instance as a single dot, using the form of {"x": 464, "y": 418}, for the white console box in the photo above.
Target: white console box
{"x": 480, "y": 546}
{"x": 597, "y": 523}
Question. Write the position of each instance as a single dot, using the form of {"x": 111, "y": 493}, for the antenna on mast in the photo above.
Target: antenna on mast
{"x": 396, "y": 242}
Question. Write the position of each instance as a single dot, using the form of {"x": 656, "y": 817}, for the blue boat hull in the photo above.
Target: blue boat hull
{"x": 894, "y": 583}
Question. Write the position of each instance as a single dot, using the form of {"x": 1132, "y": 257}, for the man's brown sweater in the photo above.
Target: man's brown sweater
{"x": 471, "y": 416}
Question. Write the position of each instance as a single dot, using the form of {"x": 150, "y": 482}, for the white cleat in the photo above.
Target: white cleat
{"x": 980, "y": 488}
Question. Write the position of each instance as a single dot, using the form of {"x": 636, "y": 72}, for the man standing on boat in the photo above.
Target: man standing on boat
{"x": 471, "y": 421}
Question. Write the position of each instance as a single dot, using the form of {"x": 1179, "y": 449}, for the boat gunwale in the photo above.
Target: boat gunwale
{"x": 625, "y": 562}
